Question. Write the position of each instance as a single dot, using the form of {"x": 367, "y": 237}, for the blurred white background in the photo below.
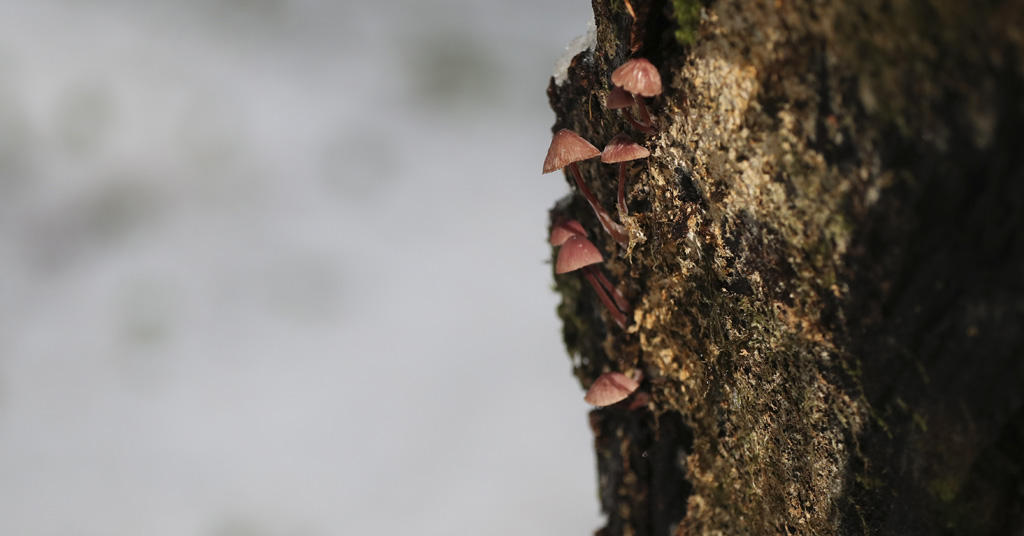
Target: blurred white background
{"x": 277, "y": 267}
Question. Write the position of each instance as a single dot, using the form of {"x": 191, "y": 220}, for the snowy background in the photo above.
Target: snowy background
{"x": 277, "y": 267}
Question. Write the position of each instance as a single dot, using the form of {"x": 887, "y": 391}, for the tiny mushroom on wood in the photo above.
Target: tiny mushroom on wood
{"x": 640, "y": 401}
{"x": 620, "y": 99}
{"x": 641, "y": 78}
{"x": 566, "y": 229}
{"x": 566, "y": 149}
{"x": 609, "y": 388}
{"x": 578, "y": 253}
{"x": 619, "y": 151}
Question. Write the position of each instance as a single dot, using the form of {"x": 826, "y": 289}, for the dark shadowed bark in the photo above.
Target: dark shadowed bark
{"x": 826, "y": 264}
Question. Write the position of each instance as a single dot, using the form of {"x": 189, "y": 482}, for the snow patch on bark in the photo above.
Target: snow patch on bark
{"x": 584, "y": 42}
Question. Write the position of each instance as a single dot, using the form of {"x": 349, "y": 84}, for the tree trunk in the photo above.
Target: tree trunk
{"x": 825, "y": 265}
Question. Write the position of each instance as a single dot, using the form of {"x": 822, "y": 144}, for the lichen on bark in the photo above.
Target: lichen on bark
{"x": 800, "y": 306}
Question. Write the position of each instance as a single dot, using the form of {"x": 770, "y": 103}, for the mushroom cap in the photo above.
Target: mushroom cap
{"x": 619, "y": 98}
{"x": 640, "y": 401}
{"x": 609, "y": 388}
{"x": 622, "y": 149}
{"x": 576, "y": 253}
{"x": 639, "y": 77}
{"x": 564, "y": 230}
{"x": 567, "y": 147}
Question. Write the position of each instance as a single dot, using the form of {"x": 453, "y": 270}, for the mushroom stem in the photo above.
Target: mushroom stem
{"x": 617, "y": 315}
{"x": 645, "y": 116}
{"x": 614, "y": 228}
{"x": 620, "y": 301}
{"x": 646, "y": 129}
{"x": 623, "y": 211}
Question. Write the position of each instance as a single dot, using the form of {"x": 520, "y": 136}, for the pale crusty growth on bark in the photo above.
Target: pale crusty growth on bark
{"x": 827, "y": 233}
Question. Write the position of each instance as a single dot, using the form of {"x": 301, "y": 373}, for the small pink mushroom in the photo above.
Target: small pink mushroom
{"x": 566, "y": 229}
{"x": 620, "y": 99}
{"x": 578, "y": 253}
{"x": 619, "y": 151}
{"x": 566, "y": 149}
{"x": 641, "y": 78}
{"x": 640, "y": 401}
{"x": 609, "y": 388}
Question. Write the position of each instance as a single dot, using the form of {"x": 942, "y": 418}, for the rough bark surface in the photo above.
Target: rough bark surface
{"x": 826, "y": 264}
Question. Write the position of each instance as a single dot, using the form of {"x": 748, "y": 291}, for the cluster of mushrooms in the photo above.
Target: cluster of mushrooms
{"x": 632, "y": 81}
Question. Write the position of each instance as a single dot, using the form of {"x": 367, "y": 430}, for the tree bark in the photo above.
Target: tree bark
{"x": 826, "y": 263}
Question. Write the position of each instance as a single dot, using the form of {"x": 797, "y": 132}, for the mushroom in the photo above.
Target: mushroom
{"x": 640, "y": 401}
{"x": 566, "y": 229}
{"x": 639, "y": 77}
{"x": 619, "y": 151}
{"x": 609, "y": 388}
{"x": 620, "y": 99}
{"x": 566, "y": 149}
{"x": 578, "y": 253}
